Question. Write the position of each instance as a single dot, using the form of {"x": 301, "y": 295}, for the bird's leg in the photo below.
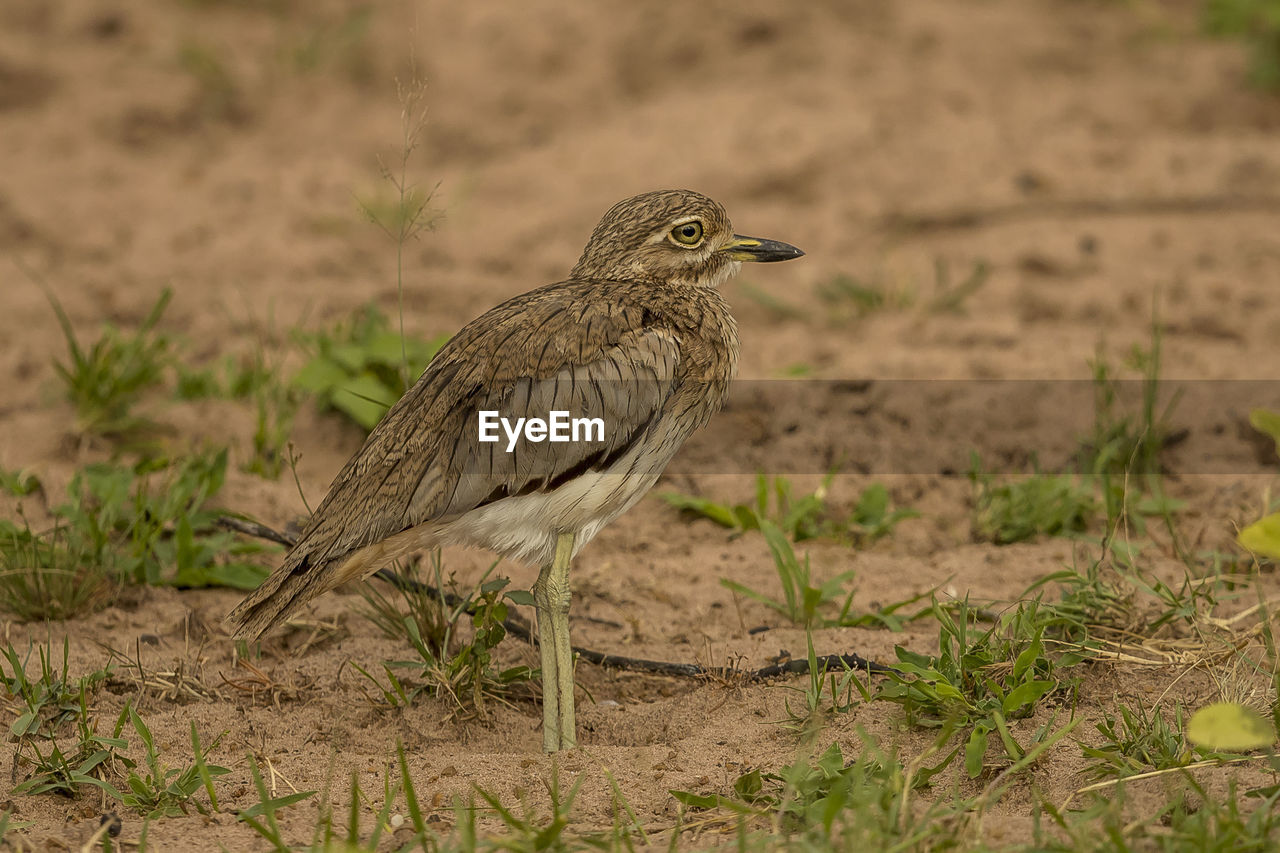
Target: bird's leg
{"x": 551, "y": 600}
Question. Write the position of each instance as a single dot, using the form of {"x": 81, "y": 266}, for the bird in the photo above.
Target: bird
{"x": 638, "y": 336}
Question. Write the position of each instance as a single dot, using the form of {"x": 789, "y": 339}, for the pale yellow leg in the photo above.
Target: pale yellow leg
{"x": 551, "y": 600}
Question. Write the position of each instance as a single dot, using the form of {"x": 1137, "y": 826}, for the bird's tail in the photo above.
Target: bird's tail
{"x": 279, "y": 598}
{"x": 300, "y": 579}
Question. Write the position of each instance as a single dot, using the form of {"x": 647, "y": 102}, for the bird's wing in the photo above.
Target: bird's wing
{"x": 424, "y": 462}
{"x": 624, "y": 388}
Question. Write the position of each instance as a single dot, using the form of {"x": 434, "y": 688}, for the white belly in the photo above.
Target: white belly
{"x": 525, "y": 527}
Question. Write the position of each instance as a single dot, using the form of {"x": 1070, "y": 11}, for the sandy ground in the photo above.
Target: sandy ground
{"x": 1098, "y": 159}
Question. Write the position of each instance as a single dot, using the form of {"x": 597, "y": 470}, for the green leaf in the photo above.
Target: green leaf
{"x": 974, "y": 751}
{"x": 520, "y": 596}
{"x": 1028, "y": 658}
{"x": 1268, "y": 423}
{"x": 719, "y": 513}
{"x": 1231, "y": 727}
{"x": 365, "y": 398}
{"x": 873, "y": 505}
{"x": 695, "y": 801}
{"x": 748, "y": 785}
{"x": 1026, "y": 694}
{"x": 1263, "y": 536}
{"x": 320, "y": 375}
{"x": 274, "y": 804}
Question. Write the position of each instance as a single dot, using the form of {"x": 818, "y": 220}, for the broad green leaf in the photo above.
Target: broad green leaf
{"x": 719, "y": 513}
{"x": 320, "y": 375}
{"x": 1026, "y": 694}
{"x": 1231, "y": 727}
{"x": 974, "y": 751}
{"x": 364, "y": 398}
{"x": 1263, "y": 536}
{"x": 1267, "y": 422}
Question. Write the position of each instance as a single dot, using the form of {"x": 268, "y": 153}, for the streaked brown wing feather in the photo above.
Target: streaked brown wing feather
{"x": 626, "y": 386}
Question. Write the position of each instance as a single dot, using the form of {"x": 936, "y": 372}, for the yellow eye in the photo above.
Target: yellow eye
{"x": 687, "y": 233}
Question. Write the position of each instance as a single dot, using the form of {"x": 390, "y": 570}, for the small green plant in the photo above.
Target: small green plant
{"x": 837, "y": 688}
{"x": 137, "y": 524}
{"x": 47, "y": 704}
{"x": 1205, "y": 821}
{"x": 448, "y": 665}
{"x": 231, "y": 378}
{"x": 1124, "y": 448}
{"x": 1054, "y": 505}
{"x": 217, "y": 95}
{"x": 51, "y": 698}
{"x": 356, "y": 367}
{"x": 53, "y": 770}
{"x": 18, "y": 483}
{"x": 801, "y": 518}
{"x": 343, "y": 43}
{"x": 52, "y": 575}
{"x": 830, "y": 802}
{"x": 1137, "y": 740}
{"x": 276, "y": 406}
{"x": 981, "y": 679}
{"x": 159, "y": 791}
{"x": 250, "y": 378}
{"x": 950, "y": 298}
{"x": 106, "y": 380}
{"x": 801, "y": 599}
{"x": 266, "y": 807}
{"x": 530, "y": 831}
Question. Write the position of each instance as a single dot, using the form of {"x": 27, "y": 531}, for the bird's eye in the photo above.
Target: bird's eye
{"x": 687, "y": 233}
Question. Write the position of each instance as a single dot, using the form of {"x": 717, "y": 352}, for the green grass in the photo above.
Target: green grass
{"x": 826, "y": 694}
{"x": 1137, "y": 739}
{"x": 847, "y": 297}
{"x": 1021, "y": 509}
{"x": 454, "y": 638}
{"x": 1210, "y": 822}
{"x": 146, "y": 523}
{"x": 106, "y": 379}
{"x": 18, "y": 483}
{"x": 800, "y": 518}
{"x": 47, "y": 703}
{"x": 156, "y": 790}
{"x": 830, "y": 802}
{"x": 811, "y": 603}
{"x": 981, "y": 679}
{"x": 1123, "y": 452}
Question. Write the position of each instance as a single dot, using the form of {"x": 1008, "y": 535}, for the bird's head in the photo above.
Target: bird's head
{"x": 675, "y": 236}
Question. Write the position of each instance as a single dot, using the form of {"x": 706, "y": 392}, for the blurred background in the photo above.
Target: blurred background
{"x": 984, "y": 189}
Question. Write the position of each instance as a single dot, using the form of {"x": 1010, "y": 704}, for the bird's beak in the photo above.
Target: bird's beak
{"x": 760, "y": 251}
